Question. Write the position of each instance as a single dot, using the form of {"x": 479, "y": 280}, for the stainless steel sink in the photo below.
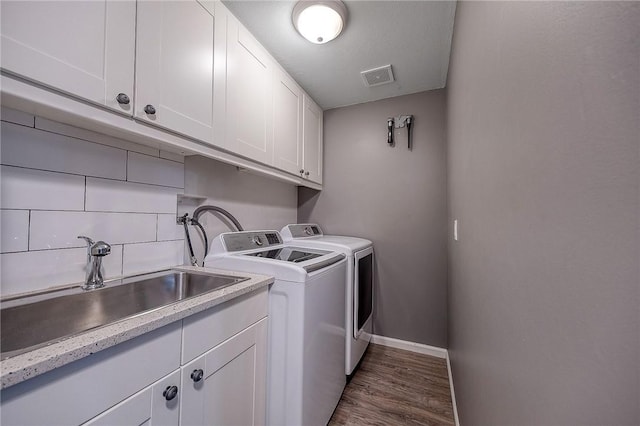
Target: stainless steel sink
{"x": 32, "y": 324}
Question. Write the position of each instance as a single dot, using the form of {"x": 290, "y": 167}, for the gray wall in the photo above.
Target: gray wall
{"x": 257, "y": 202}
{"x": 397, "y": 199}
{"x": 543, "y": 166}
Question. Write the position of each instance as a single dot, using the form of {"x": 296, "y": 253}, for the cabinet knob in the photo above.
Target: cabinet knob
{"x": 170, "y": 392}
{"x": 123, "y": 99}
{"x": 149, "y": 109}
{"x": 301, "y": 171}
{"x": 306, "y": 173}
{"x": 197, "y": 375}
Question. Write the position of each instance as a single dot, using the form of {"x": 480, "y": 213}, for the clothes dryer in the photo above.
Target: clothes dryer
{"x": 359, "y": 290}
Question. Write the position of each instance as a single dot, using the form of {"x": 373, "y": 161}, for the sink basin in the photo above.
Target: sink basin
{"x": 30, "y": 325}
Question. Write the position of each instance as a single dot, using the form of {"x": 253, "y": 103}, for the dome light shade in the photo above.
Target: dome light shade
{"x": 319, "y": 21}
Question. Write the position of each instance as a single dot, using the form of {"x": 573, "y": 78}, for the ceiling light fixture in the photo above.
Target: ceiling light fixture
{"x": 319, "y": 21}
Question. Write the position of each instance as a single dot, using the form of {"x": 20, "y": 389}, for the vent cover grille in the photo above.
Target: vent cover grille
{"x": 377, "y": 76}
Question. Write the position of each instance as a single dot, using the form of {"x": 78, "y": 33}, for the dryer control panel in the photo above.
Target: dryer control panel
{"x": 303, "y": 230}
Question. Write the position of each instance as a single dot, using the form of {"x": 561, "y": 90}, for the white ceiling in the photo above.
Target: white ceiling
{"x": 413, "y": 36}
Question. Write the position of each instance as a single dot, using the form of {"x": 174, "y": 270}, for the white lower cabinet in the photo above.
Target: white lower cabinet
{"x": 155, "y": 405}
{"x": 141, "y": 381}
{"x": 227, "y": 385}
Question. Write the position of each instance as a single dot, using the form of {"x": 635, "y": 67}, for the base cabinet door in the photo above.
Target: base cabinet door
{"x": 83, "y": 48}
{"x": 227, "y": 384}
{"x": 155, "y": 405}
{"x": 174, "y": 66}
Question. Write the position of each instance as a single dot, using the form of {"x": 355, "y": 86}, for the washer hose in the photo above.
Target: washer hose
{"x": 198, "y": 212}
{"x": 204, "y": 234}
{"x": 194, "y": 261}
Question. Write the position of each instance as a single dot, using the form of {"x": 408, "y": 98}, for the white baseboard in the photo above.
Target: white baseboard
{"x": 422, "y": 349}
{"x": 409, "y": 346}
{"x": 453, "y": 393}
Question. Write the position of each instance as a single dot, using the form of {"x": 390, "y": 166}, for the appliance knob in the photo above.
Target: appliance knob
{"x": 170, "y": 392}
{"x": 197, "y": 375}
{"x": 149, "y": 109}
{"x": 123, "y": 99}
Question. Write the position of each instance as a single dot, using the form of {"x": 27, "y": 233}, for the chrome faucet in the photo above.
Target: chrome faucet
{"x": 95, "y": 252}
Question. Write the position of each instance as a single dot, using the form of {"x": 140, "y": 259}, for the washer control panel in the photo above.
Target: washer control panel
{"x": 239, "y": 241}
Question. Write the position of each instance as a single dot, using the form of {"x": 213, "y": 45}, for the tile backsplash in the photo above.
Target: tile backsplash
{"x": 58, "y": 182}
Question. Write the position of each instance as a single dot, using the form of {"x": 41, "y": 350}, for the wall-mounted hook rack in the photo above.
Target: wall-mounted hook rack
{"x": 405, "y": 121}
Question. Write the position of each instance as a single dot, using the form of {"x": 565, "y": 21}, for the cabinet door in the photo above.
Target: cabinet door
{"x": 287, "y": 123}
{"x": 174, "y": 66}
{"x": 150, "y": 406}
{"x": 249, "y": 95}
{"x": 312, "y": 141}
{"x": 231, "y": 390}
{"x": 83, "y": 48}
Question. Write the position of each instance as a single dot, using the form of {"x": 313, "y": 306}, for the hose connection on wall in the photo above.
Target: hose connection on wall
{"x": 185, "y": 220}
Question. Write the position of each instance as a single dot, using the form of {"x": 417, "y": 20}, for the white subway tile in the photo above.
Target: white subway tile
{"x": 14, "y": 230}
{"x": 17, "y": 117}
{"x": 38, "y": 270}
{"x": 168, "y": 229}
{"x": 39, "y": 190}
{"x": 52, "y": 229}
{"x": 153, "y": 170}
{"x": 148, "y": 257}
{"x": 115, "y": 196}
{"x": 36, "y": 149}
{"x": 88, "y": 135}
{"x": 172, "y": 156}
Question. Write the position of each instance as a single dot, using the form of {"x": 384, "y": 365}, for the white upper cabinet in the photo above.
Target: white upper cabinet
{"x": 186, "y": 66}
{"x": 174, "y": 66}
{"x": 312, "y": 141}
{"x": 84, "y": 48}
{"x": 248, "y": 95}
{"x": 287, "y": 123}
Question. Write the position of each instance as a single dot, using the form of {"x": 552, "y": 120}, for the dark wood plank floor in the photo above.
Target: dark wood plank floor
{"x": 396, "y": 387}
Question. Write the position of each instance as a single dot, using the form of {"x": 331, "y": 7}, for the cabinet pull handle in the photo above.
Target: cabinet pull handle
{"x": 170, "y": 392}
{"x": 149, "y": 109}
{"x": 197, "y": 375}
{"x": 123, "y": 99}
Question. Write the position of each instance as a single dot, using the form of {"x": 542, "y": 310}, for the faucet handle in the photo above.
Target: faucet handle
{"x": 99, "y": 248}
{"x": 87, "y": 239}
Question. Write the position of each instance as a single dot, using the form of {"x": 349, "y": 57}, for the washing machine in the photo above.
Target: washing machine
{"x": 305, "y": 367}
{"x": 359, "y": 291}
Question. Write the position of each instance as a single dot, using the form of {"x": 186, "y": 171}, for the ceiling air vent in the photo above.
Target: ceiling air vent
{"x": 377, "y": 76}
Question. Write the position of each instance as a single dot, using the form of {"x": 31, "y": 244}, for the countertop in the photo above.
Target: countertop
{"x": 33, "y": 363}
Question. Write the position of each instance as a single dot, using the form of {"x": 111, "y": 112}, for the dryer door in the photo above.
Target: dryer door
{"x": 362, "y": 290}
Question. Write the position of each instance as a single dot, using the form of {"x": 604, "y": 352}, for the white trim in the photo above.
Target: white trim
{"x": 409, "y": 346}
{"x": 453, "y": 393}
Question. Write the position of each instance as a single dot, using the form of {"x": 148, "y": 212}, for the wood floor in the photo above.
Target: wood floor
{"x": 396, "y": 387}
